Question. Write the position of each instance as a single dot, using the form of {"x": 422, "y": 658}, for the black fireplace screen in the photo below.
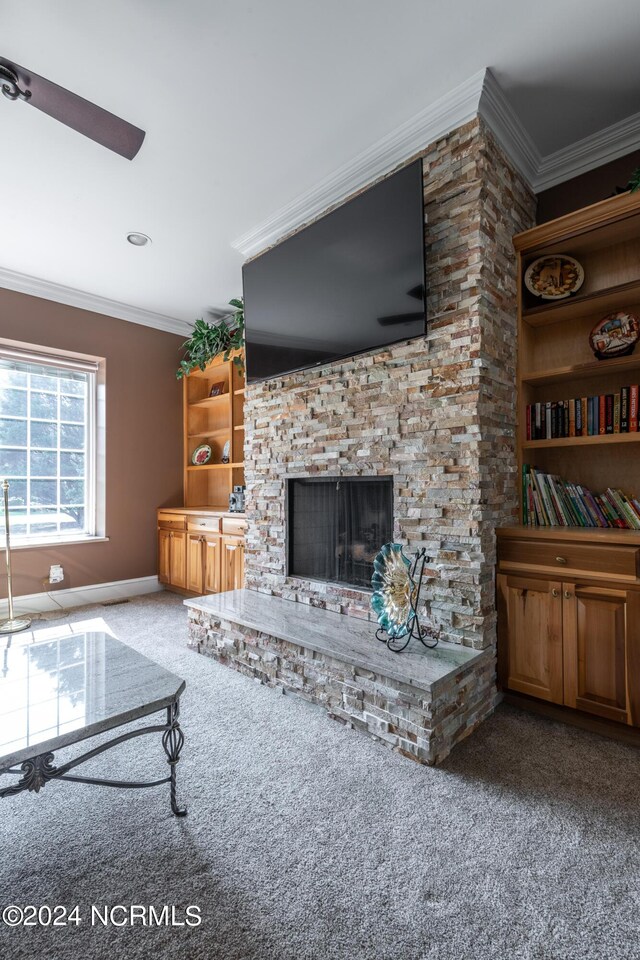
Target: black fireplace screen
{"x": 336, "y": 527}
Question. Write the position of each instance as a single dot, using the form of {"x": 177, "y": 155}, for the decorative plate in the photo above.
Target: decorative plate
{"x": 217, "y": 389}
{"x": 554, "y": 278}
{"x": 615, "y": 335}
{"x": 393, "y": 590}
{"x": 201, "y": 455}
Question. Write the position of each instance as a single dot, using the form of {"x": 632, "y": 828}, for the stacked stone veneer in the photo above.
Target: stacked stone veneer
{"x": 438, "y": 414}
{"x": 423, "y": 725}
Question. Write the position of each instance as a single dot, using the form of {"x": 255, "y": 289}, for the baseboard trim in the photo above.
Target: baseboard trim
{"x": 81, "y": 596}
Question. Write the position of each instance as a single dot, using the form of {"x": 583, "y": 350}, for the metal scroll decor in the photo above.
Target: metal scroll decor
{"x": 396, "y": 583}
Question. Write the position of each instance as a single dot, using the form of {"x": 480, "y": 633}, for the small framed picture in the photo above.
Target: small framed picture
{"x": 217, "y": 389}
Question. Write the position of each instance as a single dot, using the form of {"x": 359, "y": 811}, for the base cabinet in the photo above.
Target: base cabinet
{"x": 232, "y": 563}
{"x": 569, "y": 640}
{"x": 172, "y": 557}
{"x": 195, "y": 554}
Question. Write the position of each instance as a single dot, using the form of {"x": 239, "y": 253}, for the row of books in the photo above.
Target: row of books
{"x": 584, "y": 416}
{"x": 549, "y": 501}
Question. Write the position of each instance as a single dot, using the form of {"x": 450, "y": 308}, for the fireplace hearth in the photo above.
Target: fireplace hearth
{"x": 336, "y": 526}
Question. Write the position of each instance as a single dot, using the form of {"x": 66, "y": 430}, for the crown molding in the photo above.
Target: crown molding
{"x": 445, "y": 114}
{"x": 497, "y": 112}
{"x": 46, "y": 290}
{"x": 601, "y": 147}
{"x": 480, "y": 95}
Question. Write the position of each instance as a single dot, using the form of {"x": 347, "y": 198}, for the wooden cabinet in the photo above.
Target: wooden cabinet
{"x": 212, "y": 564}
{"x": 194, "y": 554}
{"x": 595, "y": 650}
{"x": 531, "y": 612}
{"x": 232, "y": 563}
{"x": 178, "y": 554}
{"x": 172, "y": 557}
{"x": 573, "y": 641}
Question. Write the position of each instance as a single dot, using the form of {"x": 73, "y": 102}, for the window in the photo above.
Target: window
{"x": 48, "y": 414}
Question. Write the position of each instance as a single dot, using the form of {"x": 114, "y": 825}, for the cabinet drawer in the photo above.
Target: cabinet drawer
{"x": 204, "y": 524}
{"x": 234, "y": 527}
{"x": 589, "y": 558}
{"x": 172, "y": 521}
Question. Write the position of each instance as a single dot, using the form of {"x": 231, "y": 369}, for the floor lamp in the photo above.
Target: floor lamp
{"x": 13, "y": 624}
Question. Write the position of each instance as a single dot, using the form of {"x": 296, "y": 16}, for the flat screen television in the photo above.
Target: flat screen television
{"x": 351, "y": 282}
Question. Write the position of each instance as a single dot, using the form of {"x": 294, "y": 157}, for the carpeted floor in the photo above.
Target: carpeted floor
{"x": 308, "y": 841}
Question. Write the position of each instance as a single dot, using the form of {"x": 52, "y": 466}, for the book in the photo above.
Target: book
{"x": 549, "y": 501}
{"x": 633, "y": 409}
{"x": 616, "y": 413}
{"x": 624, "y": 409}
{"x": 608, "y": 413}
{"x": 572, "y": 418}
{"x": 602, "y": 415}
{"x": 578, "y": 404}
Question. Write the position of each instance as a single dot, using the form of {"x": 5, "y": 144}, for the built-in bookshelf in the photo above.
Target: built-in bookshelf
{"x": 215, "y": 420}
{"x": 585, "y": 432}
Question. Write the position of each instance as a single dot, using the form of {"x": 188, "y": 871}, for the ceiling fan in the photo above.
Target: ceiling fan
{"x": 18, "y": 83}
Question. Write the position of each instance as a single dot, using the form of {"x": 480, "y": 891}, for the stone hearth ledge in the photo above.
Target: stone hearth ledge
{"x": 421, "y": 702}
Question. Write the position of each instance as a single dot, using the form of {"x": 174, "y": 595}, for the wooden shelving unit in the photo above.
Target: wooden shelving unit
{"x": 555, "y": 360}
{"x": 213, "y": 420}
{"x": 569, "y": 597}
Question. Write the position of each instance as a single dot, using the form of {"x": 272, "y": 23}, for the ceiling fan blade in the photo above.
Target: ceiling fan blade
{"x": 74, "y": 111}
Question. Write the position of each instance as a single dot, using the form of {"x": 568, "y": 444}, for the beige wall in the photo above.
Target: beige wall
{"x": 143, "y": 448}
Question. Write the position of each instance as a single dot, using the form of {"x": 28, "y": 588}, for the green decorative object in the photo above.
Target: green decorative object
{"x": 634, "y": 181}
{"x": 393, "y": 591}
{"x": 396, "y": 583}
{"x": 209, "y": 340}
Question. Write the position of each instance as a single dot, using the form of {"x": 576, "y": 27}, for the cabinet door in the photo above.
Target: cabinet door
{"x": 232, "y": 563}
{"x": 164, "y": 556}
{"x": 595, "y": 650}
{"x": 530, "y": 617}
{"x": 195, "y": 565}
{"x": 212, "y": 564}
{"x": 178, "y": 559}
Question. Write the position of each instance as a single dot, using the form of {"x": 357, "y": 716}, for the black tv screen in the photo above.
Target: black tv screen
{"x": 348, "y": 283}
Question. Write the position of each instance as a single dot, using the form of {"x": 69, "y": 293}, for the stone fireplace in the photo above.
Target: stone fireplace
{"x": 437, "y": 415}
{"x": 335, "y": 527}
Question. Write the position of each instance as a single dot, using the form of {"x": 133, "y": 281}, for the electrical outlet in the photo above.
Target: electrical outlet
{"x": 56, "y": 573}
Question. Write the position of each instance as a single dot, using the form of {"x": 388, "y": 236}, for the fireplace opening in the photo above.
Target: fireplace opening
{"x": 336, "y": 527}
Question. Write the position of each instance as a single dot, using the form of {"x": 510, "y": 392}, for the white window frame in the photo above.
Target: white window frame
{"x": 96, "y": 440}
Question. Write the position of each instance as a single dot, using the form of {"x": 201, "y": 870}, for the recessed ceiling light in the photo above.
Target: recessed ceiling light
{"x": 138, "y": 239}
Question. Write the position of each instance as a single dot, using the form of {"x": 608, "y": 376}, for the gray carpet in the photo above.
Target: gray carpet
{"x": 307, "y": 840}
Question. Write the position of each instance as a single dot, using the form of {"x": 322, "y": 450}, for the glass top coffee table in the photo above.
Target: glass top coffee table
{"x": 66, "y": 688}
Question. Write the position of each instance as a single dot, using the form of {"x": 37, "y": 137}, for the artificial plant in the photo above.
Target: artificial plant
{"x": 209, "y": 340}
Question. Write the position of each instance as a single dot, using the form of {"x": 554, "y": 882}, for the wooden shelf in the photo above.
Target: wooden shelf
{"x": 214, "y": 466}
{"x": 222, "y": 432}
{"x": 238, "y": 393}
{"x": 594, "y": 368}
{"x": 604, "y": 301}
{"x": 239, "y": 426}
{"x": 209, "y": 401}
{"x": 601, "y": 438}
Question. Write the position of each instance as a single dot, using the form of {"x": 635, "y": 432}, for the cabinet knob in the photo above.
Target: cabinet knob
{"x": 555, "y": 593}
{"x": 567, "y": 595}
{"x": 561, "y": 559}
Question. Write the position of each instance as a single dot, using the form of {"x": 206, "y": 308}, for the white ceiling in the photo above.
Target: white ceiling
{"x": 248, "y": 104}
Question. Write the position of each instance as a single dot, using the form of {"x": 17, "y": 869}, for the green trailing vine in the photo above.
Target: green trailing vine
{"x": 209, "y": 340}
{"x": 634, "y": 181}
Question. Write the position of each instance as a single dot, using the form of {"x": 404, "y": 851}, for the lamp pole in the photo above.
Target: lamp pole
{"x": 13, "y": 624}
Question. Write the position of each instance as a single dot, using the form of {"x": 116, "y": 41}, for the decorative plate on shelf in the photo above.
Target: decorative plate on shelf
{"x": 615, "y": 335}
{"x": 393, "y": 590}
{"x": 554, "y": 277}
{"x": 201, "y": 455}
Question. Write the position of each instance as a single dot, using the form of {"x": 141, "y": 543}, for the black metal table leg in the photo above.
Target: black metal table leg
{"x": 173, "y": 741}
